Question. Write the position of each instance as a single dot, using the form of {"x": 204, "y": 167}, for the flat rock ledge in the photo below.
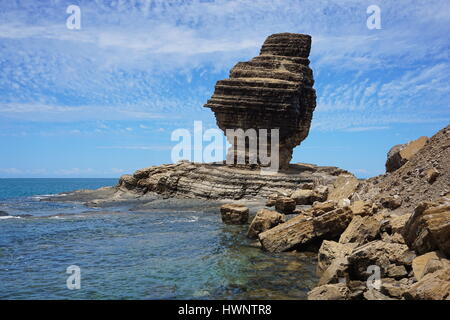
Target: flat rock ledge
{"x": 216, "y": 181}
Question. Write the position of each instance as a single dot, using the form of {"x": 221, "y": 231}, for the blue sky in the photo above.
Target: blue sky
{"x": 103, "y": 100}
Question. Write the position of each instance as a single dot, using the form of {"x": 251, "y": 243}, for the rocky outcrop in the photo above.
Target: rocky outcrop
{"x": 234, "y": 213}
{"x": 272, "y": 91}
{"x": 424, "y": 177}
{"x": 264, "y": 220}
{"x": 302, "y": 230}
{"x": 218, "y": 181}
{"x": 402, "y": 153}
{"x": 428, "y": 228}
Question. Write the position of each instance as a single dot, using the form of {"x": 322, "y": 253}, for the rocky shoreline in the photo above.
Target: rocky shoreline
{"x": 324, "y": 210}
{"x": 384, "y": 238}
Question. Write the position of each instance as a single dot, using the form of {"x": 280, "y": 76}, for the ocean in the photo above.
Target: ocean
{"x": 175, "y": 252}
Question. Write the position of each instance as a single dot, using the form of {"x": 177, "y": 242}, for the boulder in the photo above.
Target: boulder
{"x": 433, "y": 286}
{"x": 331, "y": 250}
{"x": 395, "y": 272}
{"x": 400, "y": 154}
{"x": 429, "y": 263}
{"x": 395, "y": 224}
{"x": 394, "y": 288}
{"x": 431, "y": 175}
{"x": 233, "y": 213}
{"x": 362, "y": 208}
{"x": 361, "y": 230}
{"x": 308, "y": 196}
{"x": 381, "y": 254}
{"x": 428, "y": 228}
{"x": 338, "y": 291}
{"x": 264, "y": 220}
{"x": 336, "y": 272}
{"x": 343, "y": 187}
{"x": 302, "y": 230}
{"x": 285, "y": 205}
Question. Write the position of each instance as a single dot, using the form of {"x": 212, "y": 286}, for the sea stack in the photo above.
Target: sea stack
{"x": 271, "y": 91}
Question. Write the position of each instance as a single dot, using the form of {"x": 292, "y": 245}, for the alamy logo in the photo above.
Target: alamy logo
{"x": 374, "y": 20}
{"x": 73, "y": 282}
{"x": 374, "y": 280}
{"x": 73, "y": 22}
{"x": 245, "y": 147}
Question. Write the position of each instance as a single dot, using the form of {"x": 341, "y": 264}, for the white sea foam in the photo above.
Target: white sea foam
{"x": 9, "y": 217}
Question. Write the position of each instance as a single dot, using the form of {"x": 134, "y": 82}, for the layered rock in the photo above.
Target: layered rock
{"x": 218, "y": 181}
{"x": 428, "y": 228}
{"x": 301, "y": 230}
{"x": 271, "y": 91}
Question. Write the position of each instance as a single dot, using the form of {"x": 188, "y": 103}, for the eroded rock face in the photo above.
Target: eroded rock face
{"x": 271, "y": 91}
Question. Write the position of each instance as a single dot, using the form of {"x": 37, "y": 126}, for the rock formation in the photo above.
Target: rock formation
{"x": 217, "y": 181}
{"x": 400, "y": 154}
{"x": 272, "y": 91}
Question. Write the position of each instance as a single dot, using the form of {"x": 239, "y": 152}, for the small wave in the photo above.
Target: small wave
{"x": 9, "y": 217}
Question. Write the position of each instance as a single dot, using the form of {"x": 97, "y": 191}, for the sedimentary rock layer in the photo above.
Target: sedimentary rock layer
{"x": 271, "y": 91}
{"x": 218, "y": 181}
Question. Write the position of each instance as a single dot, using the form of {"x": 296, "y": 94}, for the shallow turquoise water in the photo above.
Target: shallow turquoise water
{"x": 168, "y": 254}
